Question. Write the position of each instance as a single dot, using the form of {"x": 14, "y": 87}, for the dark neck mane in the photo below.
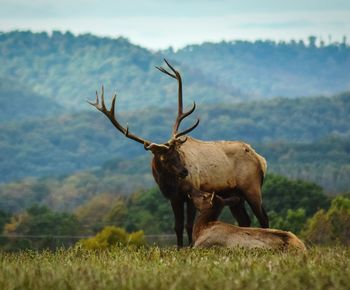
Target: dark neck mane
{"x": 166, "y": 180}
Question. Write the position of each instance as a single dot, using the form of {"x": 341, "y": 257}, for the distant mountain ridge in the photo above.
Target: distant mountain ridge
{"x": 68, "y": 69}
{"x": 18, "y": 103}
{"x": 264, "y": 69}
{"x": 48, "y": 129}
{"x": 68, "y": 143}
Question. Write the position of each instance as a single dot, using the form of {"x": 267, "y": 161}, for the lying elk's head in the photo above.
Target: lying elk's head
{"x": 204, "y": 200}
{"x": 201, "y": 200}
{"x": 166, "y": 155}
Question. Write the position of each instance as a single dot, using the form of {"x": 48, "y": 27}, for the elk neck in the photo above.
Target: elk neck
{"x": 166, "y": 180}
{"x": 207, "y": 216}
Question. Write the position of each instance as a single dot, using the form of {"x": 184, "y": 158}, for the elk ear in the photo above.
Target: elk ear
{"x": 220, "y": 199}
{"x": 181, "y": 140}
{"x": 212, "y": 198}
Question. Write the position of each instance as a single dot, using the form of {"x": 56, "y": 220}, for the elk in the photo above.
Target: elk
{"x": 209, "y": 232}
{"x": 226, "y": 167}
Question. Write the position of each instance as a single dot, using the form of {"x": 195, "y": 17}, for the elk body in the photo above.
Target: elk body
{"x": 226, "y": 167}
{"x": 209, "y": 232}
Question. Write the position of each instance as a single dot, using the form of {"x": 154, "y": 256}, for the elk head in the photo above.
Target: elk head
{"x": 201, "y": 200}
{"x": 205, "y": 200}
{"x": 166, "y": 155}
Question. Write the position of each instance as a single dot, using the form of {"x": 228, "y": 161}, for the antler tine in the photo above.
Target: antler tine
{"x": 110, "y": 114}
{"x": 166, "y": 72}
{"x": 180, "y": 115}
{"x": 112, "y": 110}
{"x": 96, "y": 101}
{"x": 103, "y": 98}
{"x": 187, "y": 130}
{"x": 183, "y": 116}
{"x": 169, "y": 65}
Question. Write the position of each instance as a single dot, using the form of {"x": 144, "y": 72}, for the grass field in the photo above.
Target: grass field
{"x": 157, "y": 268}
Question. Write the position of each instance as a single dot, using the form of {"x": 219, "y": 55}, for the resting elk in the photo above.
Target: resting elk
{"x": 209, "y": 232}
{"x": 226, "y": 167}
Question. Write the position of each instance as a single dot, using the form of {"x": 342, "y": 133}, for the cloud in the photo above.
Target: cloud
{"x": 170, "y": 8}
{"x": 176, "y": 28}
{"x": 276, "y": 25}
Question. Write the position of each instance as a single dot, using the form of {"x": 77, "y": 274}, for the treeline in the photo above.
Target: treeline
{"x": 298, "y": 206}
{"x": 325, "y": 163}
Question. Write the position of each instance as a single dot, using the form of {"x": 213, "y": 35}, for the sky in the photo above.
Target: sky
{"x": 159, "y": 24}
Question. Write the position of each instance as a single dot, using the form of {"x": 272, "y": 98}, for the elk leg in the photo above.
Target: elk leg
{"x": 265, "y": 215}
{"x": 178, "y": 210}
{"x": 254, "y": 200}
{"x": 191, "y": 214}
{"x": 240, "y": 214}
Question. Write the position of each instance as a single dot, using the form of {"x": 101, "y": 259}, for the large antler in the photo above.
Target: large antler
{"x": 111, "y": 116}
{"x": 180, "y": 114}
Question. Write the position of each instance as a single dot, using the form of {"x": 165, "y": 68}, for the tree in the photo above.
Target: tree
{"x": 150, "y": 211}
{"x": 4, "y": 218}
{"x": 294, "y": 221}
{"x": 100, "y": 211}
{"x": 281, "y": 194}
{"x": 332, "y": 226}
{"x": 39, "y": 226}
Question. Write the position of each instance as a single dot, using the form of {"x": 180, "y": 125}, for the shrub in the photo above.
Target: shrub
{"x": 331, "y": 226}
{"x": 293, "y": 221}
{"x": 111, "y": 236}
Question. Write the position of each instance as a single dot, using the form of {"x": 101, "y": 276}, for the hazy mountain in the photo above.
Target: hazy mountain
{"x": 18, "y": 103}
{"x": 45, "y": 80}
{"x": 68, "y": 143}
{"x": 68, "y": 69}
{"x": 263, "y": 69}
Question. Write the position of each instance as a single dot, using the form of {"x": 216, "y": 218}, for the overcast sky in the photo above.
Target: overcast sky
{"x": 162, "y": 23}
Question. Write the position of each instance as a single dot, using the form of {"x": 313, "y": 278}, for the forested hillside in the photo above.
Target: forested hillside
{"x": 57, "y": 150}
{"x": 68, "y": 69}
{"x": 65, "y": 170}
{"x": 19, "y": 103}
{"x": 305, "y": 138}
{"x": 266, "y": 69}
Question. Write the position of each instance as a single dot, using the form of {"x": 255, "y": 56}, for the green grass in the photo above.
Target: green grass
{"x": 156, "y": 268}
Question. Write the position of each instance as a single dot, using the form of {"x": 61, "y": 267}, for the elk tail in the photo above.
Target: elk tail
{"x": 263, "y": 168}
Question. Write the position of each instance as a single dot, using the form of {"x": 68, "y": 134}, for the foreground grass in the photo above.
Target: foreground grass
{"x": 155, "y": 268}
